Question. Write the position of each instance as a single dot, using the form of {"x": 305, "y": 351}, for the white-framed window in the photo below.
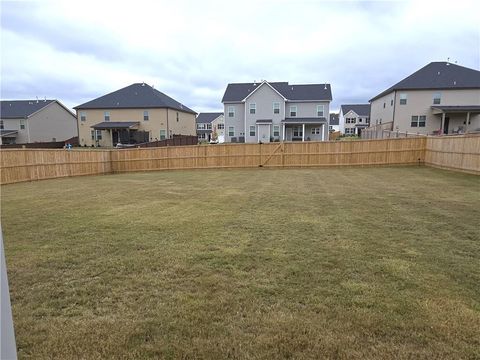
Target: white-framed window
{"x": 403, "y": 99}
{"x": 252, "y": 130}
{"x": 96, "y": 134}
{"x": 83, "y": 116}
{"x": 22, "y": 124}
{"x": 298, "y": 131}
{"x": 330, "y": 127}
{"x": 209, "y": 126}
{"x": 350, "y": 120}
{"x": 231, "y": 111}
{"x": 146, "y": 115}
{"x": 201, "y": 126}
{"x": 418, "y": 121}
{"x": 320, "y": 110}
{"x": 276, "y": 130}
{"x": 177, "y": 116}
{"x": 293, "y": 111}
{"x": 2, "y": 125}
{"x": 315, "y": 131}
{"x": 231, "y": 131}
{"x": 202, "y": 136}
{"x": 220, "y": 126}
{"x": 106, "y": 116}
{"x": 92, "y": 134}
{"x": 437, "y": 97}
{"x": 349, "y": 131}
{"x": 276, "y": 108}
{"x": 163, "y": 134}
{"x": 253, "y": 108}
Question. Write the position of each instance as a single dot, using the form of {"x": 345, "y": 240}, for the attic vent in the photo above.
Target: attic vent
{"x": 292, "y": 88}
{"x": 454, "y": 82}
{"x": 143, "y": 84}
{"x": 438, "y": 73}
{"x": 325, "y": 87}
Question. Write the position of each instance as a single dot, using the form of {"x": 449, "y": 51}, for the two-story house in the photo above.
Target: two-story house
{"x": 353, "y": 118}
{"x": 276, "y": 111}
{"x": 440, "y": 98}
{"x": 334, "y": 124}
{"x": 134, "y": 114}
{"x": 210, "y": 125}
{"x": 30, "y": 121}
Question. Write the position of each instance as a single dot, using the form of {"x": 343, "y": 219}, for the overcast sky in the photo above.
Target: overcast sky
{"x": 79, "y": 50}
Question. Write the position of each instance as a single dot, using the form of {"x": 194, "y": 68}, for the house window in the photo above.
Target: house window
{"x": 231, "y": 131}
{"x": 231, "y": 111}
{"x": 391, "y": 102}
{"x": 92, "y": 134}
{"x": 297, "y": 131}
{"x": 83, "y": 116}
{"x": 209, "y": 126}
{"x": 177, "y": 116}
{"x": 437, "y": 98}
{"x": 22, "y": 124}
{"x": 403, "y": 99}
{"x": 145, "y": 115}
{"x": 349, "y": 131}
{"x": 319, "y": 110}
{"x": 276, "y": 130}
{"x": 201, "y": 126}
{"x": 350, "y": 120}
{"x": 221, "y": 126}
{"x": 315, "y": 131}
{"x": 163, "y": 134}
{"x": 293, "y": 111}
{"x": 253, "y": 108}
{"x": 418, "y": 121}
{"x": 96, "y": 134}
{"x": 106, "y": 115}
{"x": 276, "y": 108}
{"x": 384, "y": 105}
{"x": 330, "y": 127}
{"x": 252, "y": 130}
{"x": 99, "y": 134}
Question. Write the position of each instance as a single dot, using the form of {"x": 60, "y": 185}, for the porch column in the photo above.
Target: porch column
{"x": 443, "y": 123}
{"x": 303, "y": 132}
{"x": 283, "y": 132}
{"x": 466, "y": 122}
{"x": 323, "y": 132}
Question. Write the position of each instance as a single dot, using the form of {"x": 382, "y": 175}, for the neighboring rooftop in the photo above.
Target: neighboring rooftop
{"x": 334, "y": 119}
{"x": 359, "y": 109}
{"x": 21, "y": 109}
{"x": 207, "y": 118}
{"x": 138, "y": 95}
{"x": 315, "y": 92}
{"x": 438, "y": 75}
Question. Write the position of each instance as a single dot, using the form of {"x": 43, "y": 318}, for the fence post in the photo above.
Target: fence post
{"x": 283, "y": 154}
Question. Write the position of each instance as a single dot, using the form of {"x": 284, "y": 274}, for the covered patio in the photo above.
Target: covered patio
{"x": 8, "y": 136}
{"x": 305, "y": 129}
{"x": 457, "y": 119}
{"x": 123, "y": 132}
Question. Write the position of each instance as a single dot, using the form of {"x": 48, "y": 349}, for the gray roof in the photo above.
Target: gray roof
{"x": 207, "y": 118}
{"x": 115, "y": 125}
{"x": 139, "y": 95}
{"x": 438, "y": 75}
{"x": 334, "y": 119}
{"x": 20, "y": 109}
{"x": 316, "y": 92}
{"x": 314, "y": 120}
{"x": 359, "y": 109}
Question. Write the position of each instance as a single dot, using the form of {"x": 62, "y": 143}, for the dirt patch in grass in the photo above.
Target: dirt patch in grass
{"x": 338, "y": 263}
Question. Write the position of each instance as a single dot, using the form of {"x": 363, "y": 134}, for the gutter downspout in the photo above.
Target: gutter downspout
{"x": 168, "y": 132}
{"x": 394, "y": 105}
{"x": 27, "y": 124}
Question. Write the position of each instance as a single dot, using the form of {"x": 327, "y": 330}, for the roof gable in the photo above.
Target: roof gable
{"x": 359, "y": 109}
{"x": 20, "y": 109}
{"x": 264, "y": 82}
{"x": 207, "y": 118}
{"x": 138, "y": 95}
{"x": 238, "y": 92}
{"x": 438, "y": 75}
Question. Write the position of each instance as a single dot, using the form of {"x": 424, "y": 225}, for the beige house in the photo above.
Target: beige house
{"x": 440, "y": 98}
{"x": 210, "y": 123}
{"x": 30, "y": 121}
{"x": 134, "y": 114}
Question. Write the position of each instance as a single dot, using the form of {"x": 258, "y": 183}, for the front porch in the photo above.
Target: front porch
{"x": 304, "y": 129}
{"x": 118, "y": 132}
{"x": 457, "y": 119}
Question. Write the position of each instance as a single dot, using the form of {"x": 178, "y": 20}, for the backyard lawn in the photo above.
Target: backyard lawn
{"x": 344, "y": 263}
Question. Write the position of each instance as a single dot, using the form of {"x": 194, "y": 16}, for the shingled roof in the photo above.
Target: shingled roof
{"x": 334, "y": 119}
{"x": 438, "y": 75}
{"x": 138, "y": 95}
{"x": 21, "y": 109}
{"x": 207, "y": 118}
{"x": 359, "y": 109}
{"x": 317, "y": 92}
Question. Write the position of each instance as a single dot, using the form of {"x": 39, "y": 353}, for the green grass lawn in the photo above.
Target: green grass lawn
{"x": 337, "y": 263}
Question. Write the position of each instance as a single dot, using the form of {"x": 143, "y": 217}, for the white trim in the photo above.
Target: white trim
{"x": 303, "y": 132}
{"x": 259, "y": 86}
{"x": 283, "y": 132}
{"x": 290, "y": 111}
{"x": 254, "y": 108}
{"x": 273, "y": 107}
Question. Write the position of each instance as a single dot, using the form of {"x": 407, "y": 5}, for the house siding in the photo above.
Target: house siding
{"x": 238, "y": 121}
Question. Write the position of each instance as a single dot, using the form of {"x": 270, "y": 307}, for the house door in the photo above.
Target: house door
{"x": 264, "y": 133}
{"x": 445, "y": 127}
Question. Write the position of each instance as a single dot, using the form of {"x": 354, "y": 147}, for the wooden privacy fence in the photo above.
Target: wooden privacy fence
{"x": 28, "y": 164}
